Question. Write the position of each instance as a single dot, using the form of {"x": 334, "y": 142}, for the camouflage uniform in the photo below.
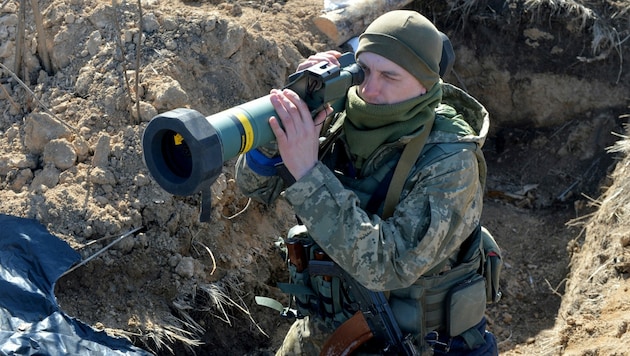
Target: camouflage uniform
{"x": 440, "y": 205}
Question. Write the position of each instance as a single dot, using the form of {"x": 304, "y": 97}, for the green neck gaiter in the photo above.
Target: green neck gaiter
{"x": 367, "y": 126}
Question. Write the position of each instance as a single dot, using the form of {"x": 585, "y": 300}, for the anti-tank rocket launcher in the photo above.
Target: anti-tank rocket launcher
{"x": 185, "y": 150}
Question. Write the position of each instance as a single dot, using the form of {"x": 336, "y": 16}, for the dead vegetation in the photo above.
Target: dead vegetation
{"x": 604, "y": 27}
{"x": 184, "y": 288}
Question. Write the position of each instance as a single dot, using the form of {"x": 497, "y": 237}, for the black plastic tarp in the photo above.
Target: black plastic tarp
{"x": 31, "y": 322}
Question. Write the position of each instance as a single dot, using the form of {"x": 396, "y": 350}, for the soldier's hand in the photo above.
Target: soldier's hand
{"x": 328, "y": 56}
{"x": 296, "y": 131}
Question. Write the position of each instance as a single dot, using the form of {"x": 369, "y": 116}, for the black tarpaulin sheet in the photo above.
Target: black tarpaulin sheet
{"x": 31, "y": 322}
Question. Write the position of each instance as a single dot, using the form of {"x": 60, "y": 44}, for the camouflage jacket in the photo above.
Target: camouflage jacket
{"x": 440, "y": 204}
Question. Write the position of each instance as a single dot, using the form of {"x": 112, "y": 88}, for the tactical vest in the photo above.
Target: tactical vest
{"x": 445, "y": 300}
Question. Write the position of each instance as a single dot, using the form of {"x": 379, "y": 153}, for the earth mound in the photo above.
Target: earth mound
{"x": 80, "y": 80}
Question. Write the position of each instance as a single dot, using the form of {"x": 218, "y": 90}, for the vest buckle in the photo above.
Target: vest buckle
{"x": 433, "y": 339}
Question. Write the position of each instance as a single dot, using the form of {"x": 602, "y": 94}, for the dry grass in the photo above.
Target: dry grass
{"x": 42, "y": 37}
{"x": 135, "y": 99}
{"x": 121, "y": 47}
{"x": 182, "y": 329}
{"x": 215, "y": 300}
{"x": 461, "y": 10}
{"x": 4, "y": 3}
{"x": 162, "y": 337}
{"x": 606, "y": 37}
{"x": 615, "y": 206}
{"x": 608, "y": 26}
{"x": 465, "y": 7}
{"x": 579, "y": 14}
{"x": 19, "y": 39}
{"x": 623, "y": 145}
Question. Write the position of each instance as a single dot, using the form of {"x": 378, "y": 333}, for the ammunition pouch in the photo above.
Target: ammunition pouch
{"x": 316, "y": 294}
{"x": 421, "y": 307}
{"x": 449, "y": 303}
{"x": 300, "y": 288}
{"x": 453, "y": 302}
{"x": 465, "y": 305}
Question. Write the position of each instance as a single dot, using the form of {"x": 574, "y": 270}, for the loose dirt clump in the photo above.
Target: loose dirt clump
{"x": 551, "y": 74}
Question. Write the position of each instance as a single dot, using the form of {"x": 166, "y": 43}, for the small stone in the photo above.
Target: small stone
{"x": 186, "y": 267}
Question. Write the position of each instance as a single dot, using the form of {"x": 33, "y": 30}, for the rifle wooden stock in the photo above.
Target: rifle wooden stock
{"x": 348, "y": 337}
{"x": 297, "y": 254}
{"x": 322, "y": 256}
{"x": 374, "y": 311}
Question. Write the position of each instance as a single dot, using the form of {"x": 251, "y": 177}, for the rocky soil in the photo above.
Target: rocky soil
{"x": 551, "y": 73}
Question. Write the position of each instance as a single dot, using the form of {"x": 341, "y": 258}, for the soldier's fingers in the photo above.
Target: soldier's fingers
{"x": 302, "y": 111}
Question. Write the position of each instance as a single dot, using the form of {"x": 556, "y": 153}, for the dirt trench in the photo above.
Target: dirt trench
{"x": 186, "y": 287}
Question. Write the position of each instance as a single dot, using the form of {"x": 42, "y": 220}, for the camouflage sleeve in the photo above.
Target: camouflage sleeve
{"x": 440, "y": 210}
{"x": 265, "y": 189}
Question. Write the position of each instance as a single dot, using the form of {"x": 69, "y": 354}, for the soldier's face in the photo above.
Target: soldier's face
{"x": 385, "y": 81}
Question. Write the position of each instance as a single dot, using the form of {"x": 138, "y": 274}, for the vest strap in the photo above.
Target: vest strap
{"x": 295, "y": 289}
{"x": 407, "y": 160}
{"x": 473, "y": 338}
{"x": 269, "y": 303}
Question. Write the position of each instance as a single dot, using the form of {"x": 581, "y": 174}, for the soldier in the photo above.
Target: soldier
{"x": 423, "y": 251}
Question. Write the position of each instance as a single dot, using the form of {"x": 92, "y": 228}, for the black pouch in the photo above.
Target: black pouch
{"x": 465, "y": 305}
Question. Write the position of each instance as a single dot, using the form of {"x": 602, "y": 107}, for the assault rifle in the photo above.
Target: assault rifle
{"x": 373, "y": 320}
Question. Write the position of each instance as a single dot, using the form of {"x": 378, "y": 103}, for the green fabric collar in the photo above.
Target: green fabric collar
{"x": 448, "y": 120}
{"x": 368, "y": 126}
